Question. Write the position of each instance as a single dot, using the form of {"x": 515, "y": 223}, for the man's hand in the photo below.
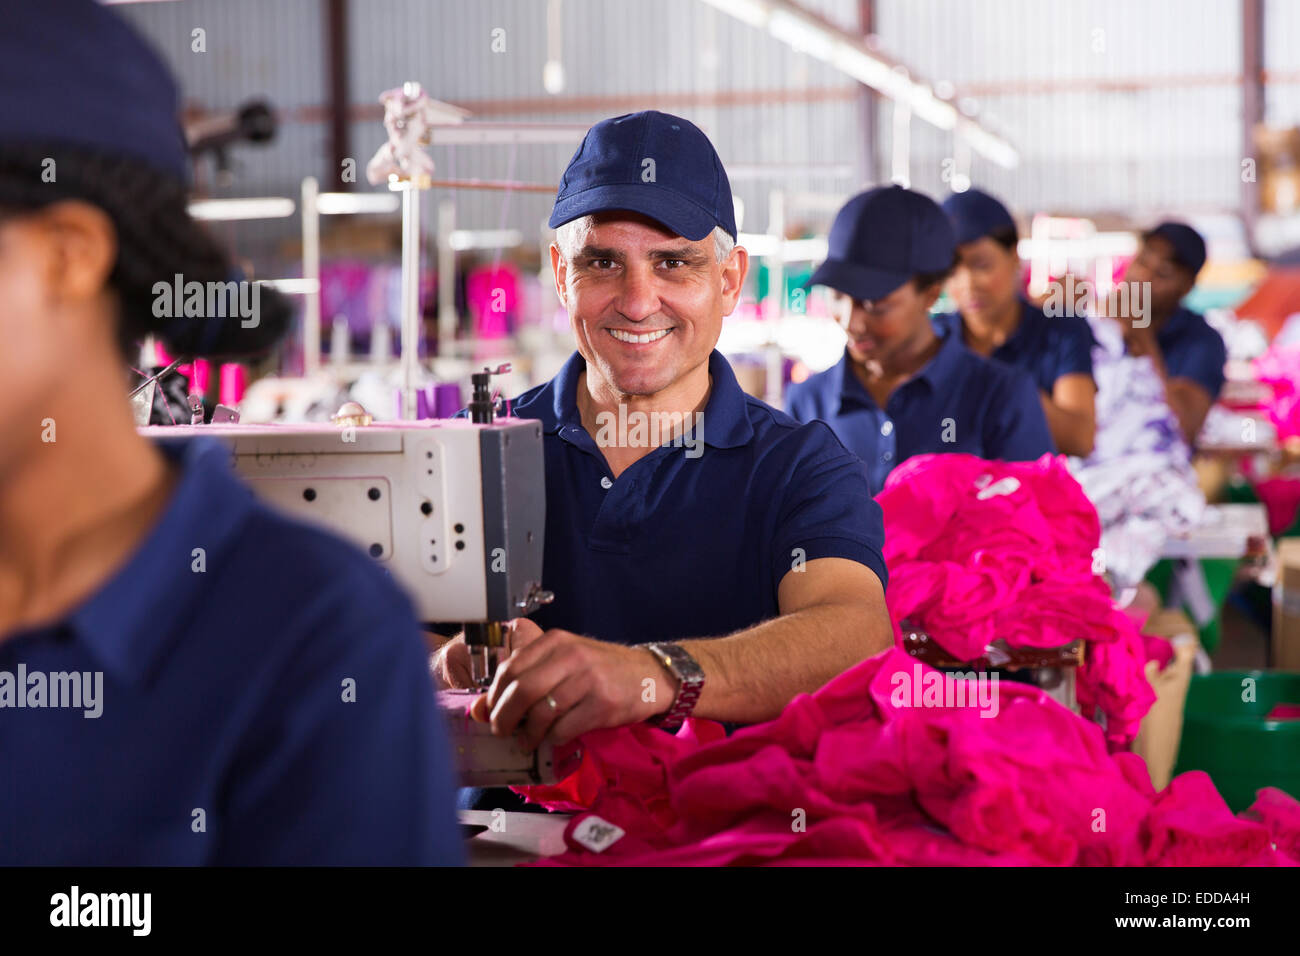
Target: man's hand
{"x": 557, "y": 686}
{"x": 451, "y": 666}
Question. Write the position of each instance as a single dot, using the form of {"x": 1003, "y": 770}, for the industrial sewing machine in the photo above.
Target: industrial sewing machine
{"x": 454, "y": 510}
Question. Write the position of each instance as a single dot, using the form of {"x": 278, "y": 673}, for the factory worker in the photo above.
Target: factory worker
{"x": 1186, "y": 352}
{"x": 185, "y": 677}
{"x": 996, "y": 321}
{"x": 903, "y": 387}
{"x": 743, "y": 545}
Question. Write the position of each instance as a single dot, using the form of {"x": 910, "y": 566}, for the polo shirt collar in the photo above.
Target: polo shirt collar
{"x": 940, "y": 368}
{"x": 726, "y": 419}
{"x": 1025, "y": 327}
{"x": 131, "y": 621}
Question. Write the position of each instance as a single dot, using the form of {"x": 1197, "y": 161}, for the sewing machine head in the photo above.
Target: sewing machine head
{"x": 454, "y": 510}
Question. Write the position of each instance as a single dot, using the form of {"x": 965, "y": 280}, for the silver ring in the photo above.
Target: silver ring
{"x": 551, "y": 700}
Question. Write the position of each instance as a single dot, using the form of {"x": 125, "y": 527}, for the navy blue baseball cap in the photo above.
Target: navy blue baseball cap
{"x": 651, "y": 163}
{"x": 74, "y": 73}
{"x": 1189, "y": 247}
{"x": 881, "y": 239}
{"x": 976, "y": 214}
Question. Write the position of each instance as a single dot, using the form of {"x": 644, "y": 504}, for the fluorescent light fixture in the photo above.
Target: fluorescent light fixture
{"x": 292, "y": 286}
{"x": 753, "y": 12}
{"x": 344, "y": 204}
{"x": 232, "y": 210}
{"x": 464, "y": 239}
{"x": 805, "y": 250}
{"x": 801, "y": 36}
{"x": 991, "y": 147}
{"x": 496, "y": 134}
{"x": 757, "y": 243}
{"x": 792, "y": 250}
{"x": 805, "y": 32}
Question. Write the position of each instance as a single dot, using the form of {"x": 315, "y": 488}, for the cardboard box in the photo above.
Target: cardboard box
{"x": 1162, "y": 728}
{"x": 1286, "y": 606}
{"x": 1279, "y": 190}
{"x": 1277, "y": 145}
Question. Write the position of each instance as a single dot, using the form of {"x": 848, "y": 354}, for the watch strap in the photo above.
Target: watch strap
{"x": 690, "y": 682}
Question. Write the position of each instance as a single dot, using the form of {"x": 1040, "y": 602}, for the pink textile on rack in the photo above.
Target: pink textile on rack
{"x": 1281, "y": 498}
{"x": 985, "y": 550}
{"x": 1279, "y": 368}
{"x": 854, "y": 774}
{"x": 492, "y": 295}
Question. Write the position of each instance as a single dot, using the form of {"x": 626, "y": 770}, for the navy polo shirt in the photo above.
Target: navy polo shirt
{"x": 959, "y": 402}
{"x": 678, "y": 546}
{"x": 1193, "y": 349}
{"x": 1047, "y": 347}
{"x": 223, "y": 736}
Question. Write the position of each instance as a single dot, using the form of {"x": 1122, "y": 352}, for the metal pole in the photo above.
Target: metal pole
{"x": 410, "y": 297}
{"x": 311, "y": 273}
{"x": 446, "y": 277}
{"x": 902, "y": 145}
{"x": 776, "y": 292}
{"x": 1252, "y": 108}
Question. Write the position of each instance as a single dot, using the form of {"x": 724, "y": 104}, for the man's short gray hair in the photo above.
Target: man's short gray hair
{"x": 570, "y": 237}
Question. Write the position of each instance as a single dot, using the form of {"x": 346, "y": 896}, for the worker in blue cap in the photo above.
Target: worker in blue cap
{"x": 903, "y": 387}
{"x": 994, "y": 320}
{"x": 1186, "y": 351}
{"x": 728, "y": 563}
{"x": 185, "y": 676}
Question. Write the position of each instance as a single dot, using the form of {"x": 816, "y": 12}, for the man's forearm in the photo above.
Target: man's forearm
{"x": 751, "y": 676}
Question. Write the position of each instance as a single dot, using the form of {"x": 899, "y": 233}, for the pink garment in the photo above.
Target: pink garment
{"x": 1279, "y": 368}
{"x": 1155, "y": 648}
{"x": 1281, "y": 498}
{"x": 1158, "y": 649}
{"x": 854, "y": 774}
{"x": 982, "y": 550}
{"x": 632, "y": 760}
{"x": 1281, "y": 814}
{"x": 493, "y": 298}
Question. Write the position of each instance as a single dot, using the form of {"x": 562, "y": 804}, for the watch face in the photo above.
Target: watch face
{"x": 684, "y": 667}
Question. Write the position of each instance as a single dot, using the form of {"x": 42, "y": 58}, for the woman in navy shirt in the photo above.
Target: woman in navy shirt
{"x": 995, "y": 321}
{"x": 185, "y": 676}
{"x": 904, "y": 387}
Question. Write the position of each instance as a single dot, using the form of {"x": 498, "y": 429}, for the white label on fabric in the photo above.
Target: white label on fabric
{"x": 1004, "y": 487}
{"x": 597, "y": 835}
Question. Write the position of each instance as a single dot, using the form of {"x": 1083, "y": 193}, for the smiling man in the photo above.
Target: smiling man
{"x": 719, "y": 573}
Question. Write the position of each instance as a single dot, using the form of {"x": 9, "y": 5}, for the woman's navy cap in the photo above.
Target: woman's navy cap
{"x": 976, "y": 214}
{"x": 72, "y": 72}
{"x": 651, "y": 163}
{"x": 881, "y": 239}
{"x": 1189, "y": 247}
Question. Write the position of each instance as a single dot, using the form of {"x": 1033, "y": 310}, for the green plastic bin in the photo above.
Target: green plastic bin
{"x": 1219, "y": 576}
{"x": 1231, "y": 740}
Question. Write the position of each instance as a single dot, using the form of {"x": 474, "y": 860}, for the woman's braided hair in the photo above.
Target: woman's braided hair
{"x": 157, "y": 240}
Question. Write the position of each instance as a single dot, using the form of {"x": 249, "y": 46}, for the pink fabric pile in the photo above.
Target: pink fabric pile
{"x": 980, "y": 550}
{"x": 1281, "y": 498}
{"x": 858, "y": 773}
{"x": 1279, "y": 368}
